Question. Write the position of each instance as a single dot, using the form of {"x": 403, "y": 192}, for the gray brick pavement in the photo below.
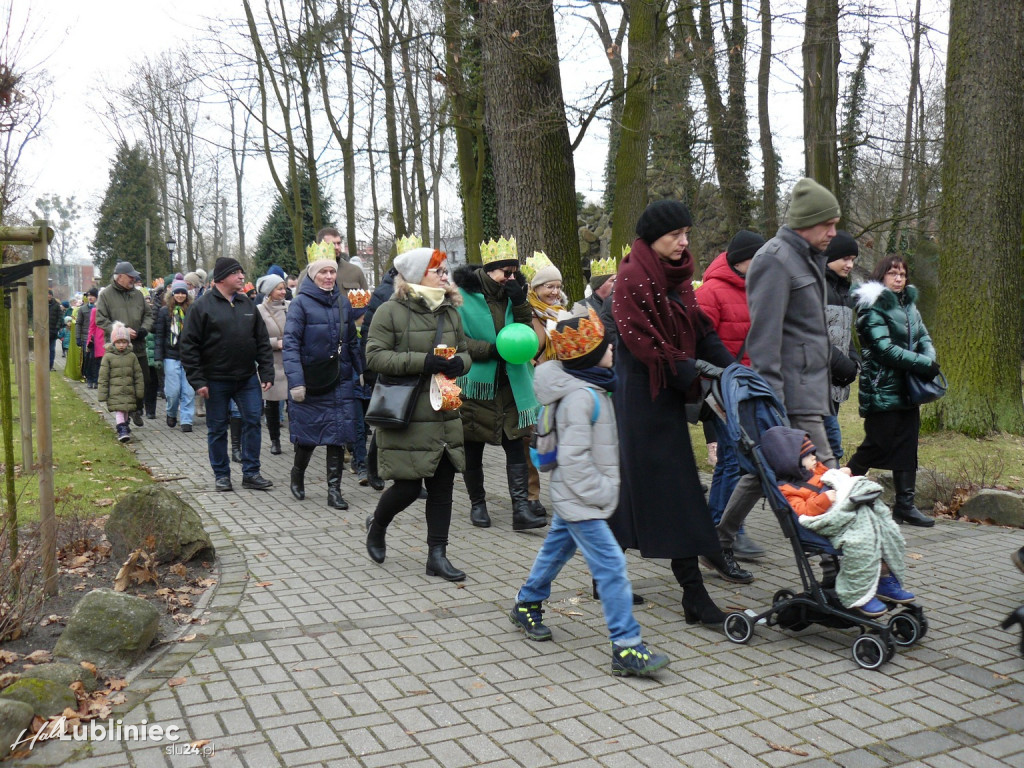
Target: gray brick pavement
{"x": 340, "y": 662}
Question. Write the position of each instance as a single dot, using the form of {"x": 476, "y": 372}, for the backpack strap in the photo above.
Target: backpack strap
{"x": 597, "y": 405}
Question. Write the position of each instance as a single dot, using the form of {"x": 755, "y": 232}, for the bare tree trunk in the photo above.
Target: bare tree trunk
{"x": 613, "y": 49}
{"x": 386, "y": 49}
{"x": 980, "y": 335}
{"x": 238, "y": 166}
{"x": 821, "y": 92}
{"x": 412, "y": 98}
{"x": 769, "y": 158}
{"x": 900, "y": 204}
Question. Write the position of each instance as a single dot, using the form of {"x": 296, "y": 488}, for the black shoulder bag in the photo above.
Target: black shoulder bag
{"x": 394, "y": 397}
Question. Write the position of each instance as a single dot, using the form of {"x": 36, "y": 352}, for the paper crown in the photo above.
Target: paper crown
{"x": 404, "y": 244}
{"x": 318, "y": 251}
{"x": 359, "y": 298}
{"x": 499, "y": 250}
{"x": 572, "y": 343}
{"x": 625, "y": 251}
{"x": 603, "y": 267}
{"x": 534, "y": 264}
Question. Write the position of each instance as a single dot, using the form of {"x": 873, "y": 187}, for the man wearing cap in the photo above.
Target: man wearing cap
{"x": 122, "y": 303}
{"x": 602, "y": 282}
{"x": 788, "y": 343}
{"x": 350, "y": 277}
{"x": 225, "y": 350}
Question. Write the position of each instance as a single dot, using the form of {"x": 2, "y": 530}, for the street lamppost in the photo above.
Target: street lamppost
{"x": 171, "y": 245}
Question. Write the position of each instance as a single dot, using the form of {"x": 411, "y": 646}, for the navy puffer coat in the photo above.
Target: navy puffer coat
{"x": 311, "y": 334}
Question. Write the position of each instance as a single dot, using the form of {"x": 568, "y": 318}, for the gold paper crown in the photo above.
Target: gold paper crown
{"x": 318, "y": 251}
{"x": 404, "y": 244}
{"x": 573, "y": 343}
{"x": 625, "y": 251}
{"x": 603, "y": 267}
{"x": 535, "y": 264}
{"x": 359, "y": 298}
{"x": 500, "y": 250}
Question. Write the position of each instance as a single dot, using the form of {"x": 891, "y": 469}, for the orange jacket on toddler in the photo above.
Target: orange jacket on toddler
{"x": 808, "y": 501}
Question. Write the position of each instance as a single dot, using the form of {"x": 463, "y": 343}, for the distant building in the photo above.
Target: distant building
{"x": 69, "y": 279}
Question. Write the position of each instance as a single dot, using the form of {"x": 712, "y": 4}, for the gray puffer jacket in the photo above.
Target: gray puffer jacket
{"x": 585, "y": 484}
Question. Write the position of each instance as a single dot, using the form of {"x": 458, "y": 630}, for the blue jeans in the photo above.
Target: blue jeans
{"x": 181, "y": 398}
{"x": 607, "y": 565}
{"x": 248, "y": 397}
{"x": 835, "y": 437}
{"x": 723, "y": 482}
{"x": 53, "y": 351}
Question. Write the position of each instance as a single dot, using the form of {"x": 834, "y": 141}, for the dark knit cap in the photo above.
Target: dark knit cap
{"x": 598, "y": 280}
{"x": 662, "y": 217}
{"x": 811, "y": 204}
{"x": 743, "y": 246}
{"x": 225, "y": 267}
{"x": 842, "y": 245}
{"x": 807, "y": 447}
{"x": 94, "y": 291}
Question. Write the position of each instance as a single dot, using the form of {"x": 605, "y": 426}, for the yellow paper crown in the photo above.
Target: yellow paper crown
{"x": 603, "y": 267}
{"x": 318, "y": 251}
{"x": 625, "y": 251}
{"x": 572, "y": 343}
{"x": 404, "y": 244}
{"x": 534, "y": 264}
{"x": 500, "y": 250}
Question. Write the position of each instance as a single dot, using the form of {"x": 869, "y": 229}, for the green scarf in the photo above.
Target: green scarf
{"x": 479, "y": 383}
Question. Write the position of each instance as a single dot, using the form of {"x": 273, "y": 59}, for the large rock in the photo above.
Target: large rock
{"x": 110, "y": 629}
{"x": 999, "y": 507}
{"x": 46, "y": 697}
{"x": 15, "y": 717}
{"x": 157, "y": 512}
{"x": 65, "y": 674}
{"x": 931, "y": 487}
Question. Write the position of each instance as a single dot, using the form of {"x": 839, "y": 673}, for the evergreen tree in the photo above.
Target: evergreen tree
{"x": 274, "y": 243}
{"x": 131, "y": 197}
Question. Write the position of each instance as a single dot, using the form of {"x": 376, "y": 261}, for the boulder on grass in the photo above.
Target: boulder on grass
{"x": 110, "y": 629}
{"x": 65, "y": 674}
{"x": 15, "y": 717}
{"x": 158, "y": 512}
{"x": 999, "y": 507}
{"x": 46, "y": 697}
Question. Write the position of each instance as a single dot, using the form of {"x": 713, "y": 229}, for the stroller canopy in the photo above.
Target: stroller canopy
{"x": 750, "y": 406}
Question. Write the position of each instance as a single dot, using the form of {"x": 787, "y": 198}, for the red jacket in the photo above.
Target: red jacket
{"x": 804, "y": 501}
{"x": 723, "y": 297}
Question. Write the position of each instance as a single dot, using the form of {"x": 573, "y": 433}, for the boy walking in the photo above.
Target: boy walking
{"x": 121, "y": 383}
{"x": 584, "y": 492}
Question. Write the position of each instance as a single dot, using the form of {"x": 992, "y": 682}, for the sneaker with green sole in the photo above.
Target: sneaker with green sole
{"x": 636, "y": 660}
{"x": 529, "y": 617}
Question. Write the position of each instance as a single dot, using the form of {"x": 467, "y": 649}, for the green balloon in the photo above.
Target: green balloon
{"x": 517, "y": 343}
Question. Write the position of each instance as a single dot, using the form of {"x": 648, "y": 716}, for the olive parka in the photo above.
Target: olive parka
{"x": 121, "y": 385}
{"x": 401, "y": 336}
{"x": 484, "y": 421}
{"x": 893, "y": 340}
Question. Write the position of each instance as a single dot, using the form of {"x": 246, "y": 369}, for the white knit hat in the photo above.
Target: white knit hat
{"x": 412, "y": 265}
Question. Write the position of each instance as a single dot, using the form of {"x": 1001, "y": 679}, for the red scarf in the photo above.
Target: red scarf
{"x": 658, "y": 331}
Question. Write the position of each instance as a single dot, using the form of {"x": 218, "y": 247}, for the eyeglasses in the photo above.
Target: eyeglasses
{"x": 897, "y": 272}
{"x": 509, "y": 271}
{"x": 439, "y": 271}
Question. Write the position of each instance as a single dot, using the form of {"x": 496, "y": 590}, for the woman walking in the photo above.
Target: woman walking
{"x": 893, "y": 343}
{"x": 664, "y": 335}
{"x": 430, "y": 450}
{"x": 273, "y": 308}
{"x": 320, "y": 354}
{"x": 179, "y": 397}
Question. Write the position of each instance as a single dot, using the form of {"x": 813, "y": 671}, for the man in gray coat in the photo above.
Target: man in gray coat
{"x": 121, "y": 302}
{"x": 788, "y": 343}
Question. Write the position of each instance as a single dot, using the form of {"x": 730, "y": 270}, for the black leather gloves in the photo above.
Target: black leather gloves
{"x": 437, "y": 364}
{"x": 515, "y": 289}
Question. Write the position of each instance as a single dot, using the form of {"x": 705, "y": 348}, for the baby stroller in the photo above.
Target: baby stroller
{"x": 748, "y": 406}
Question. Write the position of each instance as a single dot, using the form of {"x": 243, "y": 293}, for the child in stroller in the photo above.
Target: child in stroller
{"x": 848, "y": 512}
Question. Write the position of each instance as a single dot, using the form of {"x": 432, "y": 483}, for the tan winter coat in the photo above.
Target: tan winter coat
{"x": 274, "y": 314}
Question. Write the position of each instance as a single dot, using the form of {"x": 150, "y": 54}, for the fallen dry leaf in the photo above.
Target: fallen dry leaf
{"x": 264, "y": 583}
{"x": 104, "y": 502}
{"x": 784, "y": 748}
{"x": 187, "y": 638}
{"x": 117, "y": 683}
{"x": 117, "y": 698}
{"x": 199, "y": 744}
{"x": 8, "y": 657}
{"x": 88, "y": 666}
{"x": 39, "y": 657}
{"x": 176, "y": 681}
{"x": 179, "y": 569}
{"x": 206, "y": 582}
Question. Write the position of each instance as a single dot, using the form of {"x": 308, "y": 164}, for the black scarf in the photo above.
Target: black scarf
{"x": 604, "y": 378}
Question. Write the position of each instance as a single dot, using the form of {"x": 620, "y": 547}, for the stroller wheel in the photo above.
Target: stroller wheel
{"x": 870, "y": 651}
{"x": 738, "y": 627}
{"x": 904, "y": 629}
{"x": 783, "y": 594}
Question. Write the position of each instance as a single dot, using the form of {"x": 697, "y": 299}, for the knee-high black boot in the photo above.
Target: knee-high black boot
{"x": 372, "y": 474}
{"x": 477, "y": 497}
{"x": 236, "y": 440}
{"x": 303, "y": 453}
{"x": 523, "y": 518}
{"x": 335, "y": 464}
{"x": 697, "y": 603}
{"x": 904, "y": 511}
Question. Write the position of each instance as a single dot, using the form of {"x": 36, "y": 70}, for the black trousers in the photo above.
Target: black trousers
{"x": 438, "y": 506}
{"x": 514, "y": 452}
{"x": 272, "y": 410}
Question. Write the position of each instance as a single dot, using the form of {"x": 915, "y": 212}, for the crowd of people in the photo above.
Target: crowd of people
{"x": 626, "y": 363}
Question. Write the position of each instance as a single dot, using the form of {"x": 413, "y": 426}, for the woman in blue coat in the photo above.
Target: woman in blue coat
{"x": 321, "y": 398}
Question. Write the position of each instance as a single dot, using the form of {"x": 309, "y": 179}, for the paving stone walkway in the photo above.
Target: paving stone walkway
{"x": 313, "y": 655}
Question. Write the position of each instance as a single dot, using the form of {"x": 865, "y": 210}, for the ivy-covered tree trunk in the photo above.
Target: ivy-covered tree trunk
{"x": 613, "y": 49}
{"x": 529, "y": 137}
{"x": 769, "y": 157}
{"x": 821, "y": 92}
{"x": 635, "y": 139}
{"x": 386, "y": 48}
{"x": 980, "y": 331}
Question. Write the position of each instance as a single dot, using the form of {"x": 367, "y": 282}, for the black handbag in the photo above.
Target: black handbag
{"x": 394, "y": 397}
{"x": 921, "y": 390}
{"x": 321, "y": 376}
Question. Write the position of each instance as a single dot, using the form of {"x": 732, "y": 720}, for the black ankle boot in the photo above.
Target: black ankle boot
{"x": 727, "y": 567}
{"x": 438, "y": 565}
{"x": 303, "y": 453}
{"x": 904, "y": 511}
{"x": 698, "y": 607}
{"x": 335, "y": 464}
{"x": 236, "y": 440}
{"x": 637, "y": 599}
{"x": 376, "y": 547}
{"x": 523, "y": 519}
{"x": 477, "y": 497}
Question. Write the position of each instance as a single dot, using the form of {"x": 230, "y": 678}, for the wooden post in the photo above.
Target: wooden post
{"x": 7, "y": 420}
{"x": 22, "y": 376}
{"x": 44, "y": 431}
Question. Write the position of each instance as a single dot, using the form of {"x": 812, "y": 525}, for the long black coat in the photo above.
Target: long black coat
{"x": 662, "y": 511}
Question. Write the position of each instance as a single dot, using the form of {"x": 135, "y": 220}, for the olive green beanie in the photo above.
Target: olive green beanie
{"x": 811, "y": 204}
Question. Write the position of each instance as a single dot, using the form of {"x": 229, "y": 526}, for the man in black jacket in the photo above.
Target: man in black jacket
{"x": 56, "y": 318}
{"x": 225, "y": 350}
